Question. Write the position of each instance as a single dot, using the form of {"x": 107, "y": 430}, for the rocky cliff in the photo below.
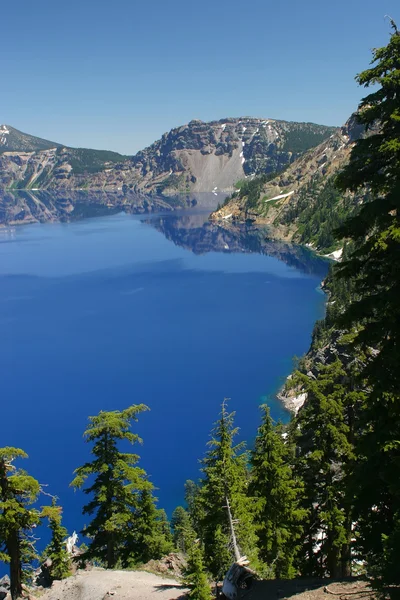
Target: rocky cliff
{"x": 197, "y": 157}
{"x": 301, "y": 204}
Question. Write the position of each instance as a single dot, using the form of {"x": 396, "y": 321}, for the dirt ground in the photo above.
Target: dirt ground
{"x": 99, "y": 584}
{"x": 312, "y": 589}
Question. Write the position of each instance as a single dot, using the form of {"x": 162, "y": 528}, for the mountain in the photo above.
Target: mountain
{"x": 301, "y": 204}
{"x": 12, "y": 140}
{"x": 197, "y": 157}
{"x": 206, "y": 156}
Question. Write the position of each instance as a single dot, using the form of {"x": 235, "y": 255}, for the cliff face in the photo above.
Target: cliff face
{"x": 207, "y": 156}
{"x": 197, "y": 157}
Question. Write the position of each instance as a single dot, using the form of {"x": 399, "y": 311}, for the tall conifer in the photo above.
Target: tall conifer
{"x": 276, "y": 493}
{"x": 18, "y": 493}
{"x": 225, "y": 480}
{"x": 116, "y": 486}
{"x": 374, "y": 314}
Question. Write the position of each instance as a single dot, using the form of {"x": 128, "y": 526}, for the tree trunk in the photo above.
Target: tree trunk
{"x": 346, "y": 550}
{"x": 110, "y": 551}
{"x": 13, "y": 550}
{"x": 233, "y": 534}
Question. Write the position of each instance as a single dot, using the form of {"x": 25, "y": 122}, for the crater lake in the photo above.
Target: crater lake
{"x": 165, "y": 309}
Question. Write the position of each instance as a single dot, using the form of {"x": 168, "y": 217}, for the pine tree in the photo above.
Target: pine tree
{"x": 225, "y": 480}
{"x": 276, "y": 493}
{"x": 148, "y": 536}
{"x": 374, "y": 314}
{"x": 194, "y": 504}
{"x": 183, "y": 532}
{"x": 195, "y": 576}
{"x": 323, "y": 438}
{"x": 56, "y": 550}
{"x": 18, "y": 492}
{"x": 116, "y": 488}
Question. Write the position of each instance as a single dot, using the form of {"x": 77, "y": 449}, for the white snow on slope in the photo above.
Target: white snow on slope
{"x": 280, "y": 196}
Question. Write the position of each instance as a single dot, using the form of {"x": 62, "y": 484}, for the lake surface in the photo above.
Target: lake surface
{"x": 168, "y": 310}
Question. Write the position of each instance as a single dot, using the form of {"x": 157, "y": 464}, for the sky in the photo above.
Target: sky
{"x": 116, "y": 75}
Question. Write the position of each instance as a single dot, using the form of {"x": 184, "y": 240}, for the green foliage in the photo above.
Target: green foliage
{"x": 121, "y": 500}
{"x": 251, "y": 189}
{"x": 276, "y": 493}
{"x": 195, "y": 576}
{"x": 148, "y": 536}
{"x": 56, "y": 550}
{"x": 225, "y": 477}
{"x": 320, "y": 208}
{"x": 18, "y": 493}
{"x": 300, "y": 137}
{"x": 323, "y": 432}
{"x": 182, "y": 530}
{"x": 85, "y": 160}
{"x": 374, "y": 315}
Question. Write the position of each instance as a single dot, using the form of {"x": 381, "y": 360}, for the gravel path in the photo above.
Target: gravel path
{"x": 99, "y": 584}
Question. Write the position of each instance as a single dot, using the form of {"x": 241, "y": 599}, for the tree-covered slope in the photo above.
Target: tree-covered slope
{"x": 301, "y": 203}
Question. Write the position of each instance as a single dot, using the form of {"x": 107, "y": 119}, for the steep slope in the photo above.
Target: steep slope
{"x": 207, "y": 156}
{"x": 302, "y": 203}
{"x": 197, "y": 157}
{"x": 12, "y": 140}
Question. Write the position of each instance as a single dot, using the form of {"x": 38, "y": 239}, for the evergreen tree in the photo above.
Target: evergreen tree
{"x": 56, "y": 551}
{"x": 276, "y": 493}
{"x": 148, "y": 536}
{"x": 195, "y": 576}
{"x": 116, "y": 489}
{"x": 18, "y": 492}
{"x": 374, "y": 314}
{"x": 323, "y": 438}
{"x": 374, "y": 167}
{"x": 225, "y": 480}
{"x": 183, "y": 532}
{"x": 194, "y": 504}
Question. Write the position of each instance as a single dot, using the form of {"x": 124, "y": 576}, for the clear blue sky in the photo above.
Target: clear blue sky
{"x": 118, "y": 74}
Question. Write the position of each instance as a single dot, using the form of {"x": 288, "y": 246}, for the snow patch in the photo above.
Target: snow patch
{"x": 227, "y": 216}
{"x": 335, "y": 255}
{"x": 280, "y": 196}
{"x": 3, "y": 133}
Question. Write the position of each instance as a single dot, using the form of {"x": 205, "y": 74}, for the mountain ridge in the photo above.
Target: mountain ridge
{"x": 195, "y": 157}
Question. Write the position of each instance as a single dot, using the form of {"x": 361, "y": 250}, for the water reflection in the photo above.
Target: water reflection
{"x": 196, "y": 233}
{"x": 181, "y": 219}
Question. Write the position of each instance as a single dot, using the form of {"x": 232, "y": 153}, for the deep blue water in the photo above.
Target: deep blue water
{"x": 106, "y": 312}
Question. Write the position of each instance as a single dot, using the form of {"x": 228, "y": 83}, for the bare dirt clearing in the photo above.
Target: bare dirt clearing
{"x": 99, "y": 584}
